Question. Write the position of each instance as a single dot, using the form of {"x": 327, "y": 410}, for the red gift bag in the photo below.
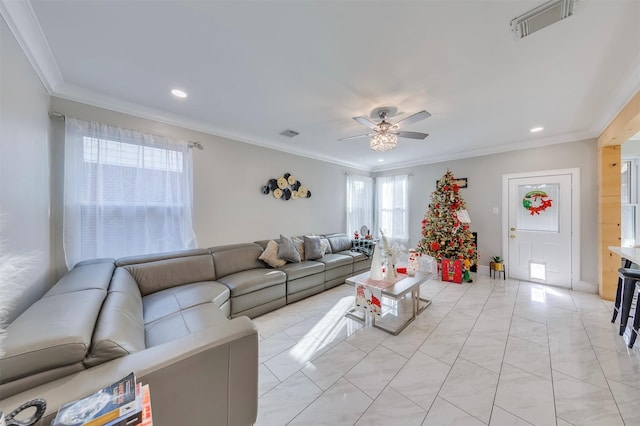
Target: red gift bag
{"x": 452, "y": 270}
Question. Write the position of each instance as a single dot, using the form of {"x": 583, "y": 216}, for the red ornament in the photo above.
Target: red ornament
{"x": 435, "y": 246}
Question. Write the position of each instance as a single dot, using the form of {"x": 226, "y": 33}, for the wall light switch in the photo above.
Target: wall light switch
{"x": 496, "y": 210}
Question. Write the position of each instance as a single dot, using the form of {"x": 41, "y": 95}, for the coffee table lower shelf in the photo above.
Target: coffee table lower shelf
{"x": 397, "y": 294}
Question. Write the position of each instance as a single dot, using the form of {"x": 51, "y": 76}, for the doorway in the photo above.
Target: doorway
{"x": 541, "y": 226}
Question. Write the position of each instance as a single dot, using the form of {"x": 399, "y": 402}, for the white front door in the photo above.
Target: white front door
{"x": 540, "y": 223}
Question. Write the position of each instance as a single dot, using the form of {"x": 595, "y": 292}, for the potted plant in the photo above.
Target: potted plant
{"x": 496, "y": 264}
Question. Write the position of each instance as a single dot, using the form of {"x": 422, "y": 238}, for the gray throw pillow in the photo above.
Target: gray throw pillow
{"x": 312, "y": 247}
{"x": 288, "y": 250}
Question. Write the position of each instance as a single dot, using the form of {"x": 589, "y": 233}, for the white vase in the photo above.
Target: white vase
{"x": 376, "y": 265}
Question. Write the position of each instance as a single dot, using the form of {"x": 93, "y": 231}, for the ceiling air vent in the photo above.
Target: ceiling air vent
{"x": 541, "y": 17}
{"x": 289, "y": 133}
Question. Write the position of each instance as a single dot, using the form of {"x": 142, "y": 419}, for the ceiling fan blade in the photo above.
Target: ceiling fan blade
{"x": 411, "y": 135}
{"x": 414, "y": 118}
{"x": 352, "y": 137}
{"x": 366, "y": 122}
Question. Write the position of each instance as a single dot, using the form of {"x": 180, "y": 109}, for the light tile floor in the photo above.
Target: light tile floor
{"x": 489, "y": 352}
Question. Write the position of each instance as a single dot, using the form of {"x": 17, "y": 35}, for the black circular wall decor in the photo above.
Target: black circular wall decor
{"x": 286, "y": 187}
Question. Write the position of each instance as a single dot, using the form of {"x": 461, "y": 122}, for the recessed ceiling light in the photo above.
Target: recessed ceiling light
{"x": 536, "y": 129}
{"x": 380, "y": 160}
{"x": 179, "y": 93}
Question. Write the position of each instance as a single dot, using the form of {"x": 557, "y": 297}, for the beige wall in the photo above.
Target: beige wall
{"x": 484, "y": 192}
{"x": 24, "y": 174}
{"x": 228, "y": 175}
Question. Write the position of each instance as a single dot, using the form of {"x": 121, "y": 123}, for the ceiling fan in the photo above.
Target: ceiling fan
{"x": 385, "y": 134}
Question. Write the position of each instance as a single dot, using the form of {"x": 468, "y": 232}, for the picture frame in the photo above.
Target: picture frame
{"x": 461, "y": 182}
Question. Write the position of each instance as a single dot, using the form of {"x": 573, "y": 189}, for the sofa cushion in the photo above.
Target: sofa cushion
{"x": 183, "y": 323}
{"x": 154, "y": 257}
{"x": 226, "y": 247}
{"x": 252, "y": 280}
{"x": 53, "y": 332}
{"x": 119, "y": 330}
{"x": 162, "y": 274}
{"x": 332, "y": 261}
{"x": 356, "y": 255}
{"x": 339, "y": 242}
{"x": 288, "y": 250}
{"x": 312, "y": 247}
{"x": 229, "y": 262}
{"x": 173, "y": 300}
{"x": 270, "y": 255}
{"x": 85, "y": 275}
{"x": 302, "y": 269}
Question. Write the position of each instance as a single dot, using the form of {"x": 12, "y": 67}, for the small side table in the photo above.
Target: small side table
{"x": 496, "y": 269}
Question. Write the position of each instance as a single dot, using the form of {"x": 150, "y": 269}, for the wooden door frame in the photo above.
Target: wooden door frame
{"x": 623, "y": 126}
{"x": 575, "y": 215}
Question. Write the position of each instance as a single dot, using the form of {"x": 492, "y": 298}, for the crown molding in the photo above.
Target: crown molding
{"x": 23, "y": 23}
{"x": 516, "y": 146}
{"x": 100, "y": 100}
{"x": 626, "y": 89}
{"x": 78, "y": 94}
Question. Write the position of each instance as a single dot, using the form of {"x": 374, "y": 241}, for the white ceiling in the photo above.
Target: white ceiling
{"x": 254, "y": 69}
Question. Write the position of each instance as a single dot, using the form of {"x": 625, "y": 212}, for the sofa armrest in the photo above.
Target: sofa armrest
{"x": 208, "y": 377}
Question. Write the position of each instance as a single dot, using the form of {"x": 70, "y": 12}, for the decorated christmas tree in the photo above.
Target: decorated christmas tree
{"x": 445, "y": 227}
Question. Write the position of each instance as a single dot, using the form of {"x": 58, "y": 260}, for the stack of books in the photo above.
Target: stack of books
{"x": 123, "y": 403}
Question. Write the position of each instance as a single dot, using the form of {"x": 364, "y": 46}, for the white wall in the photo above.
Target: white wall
{"x": 228, "y": 175}
{"x": 484, "y": 192}
{"x": 24, "y": 172}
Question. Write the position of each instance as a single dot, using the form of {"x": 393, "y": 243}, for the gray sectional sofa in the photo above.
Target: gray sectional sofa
{"x": 179, "y": 320}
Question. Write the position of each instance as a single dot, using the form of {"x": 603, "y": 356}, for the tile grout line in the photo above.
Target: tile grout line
{"x": 458, "y": 356}
{"x": 606, "y": 379}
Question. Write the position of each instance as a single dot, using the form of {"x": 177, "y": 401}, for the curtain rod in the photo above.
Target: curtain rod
{"x": 59, "y": 116}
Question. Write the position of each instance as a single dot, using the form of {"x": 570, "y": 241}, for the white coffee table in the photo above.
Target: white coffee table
{"x": 397, "y": 292}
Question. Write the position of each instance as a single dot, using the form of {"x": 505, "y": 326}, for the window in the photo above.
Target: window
{"x": 629, "y": 202}
{"x": 392, "y": 207}
{"x": 126, "y": 193}
{"x": 359, "y": 203}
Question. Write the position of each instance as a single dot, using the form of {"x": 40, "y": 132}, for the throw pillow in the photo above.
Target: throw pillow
{"x": 325, "y": 246}
{"x": 326, "y": 243}
{"x": 300, "y": 246}
{"x": 287, "y": 250}
{"x": 270, "y": 255}
{"x": 312, "y": 247}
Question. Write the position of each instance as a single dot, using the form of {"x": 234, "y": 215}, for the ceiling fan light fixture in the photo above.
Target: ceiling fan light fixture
{"x": 383, "y": 141}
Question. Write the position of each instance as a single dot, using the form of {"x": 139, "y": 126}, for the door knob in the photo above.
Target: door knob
{"x": 513, "y": 229}
{"x": 512, "y": 236}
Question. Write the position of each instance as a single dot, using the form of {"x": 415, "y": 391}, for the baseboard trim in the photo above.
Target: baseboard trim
{"x": 483, "y": 270}
{"x": 585, "y": 287}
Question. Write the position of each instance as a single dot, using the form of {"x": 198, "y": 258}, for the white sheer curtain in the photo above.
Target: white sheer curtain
{"x": 392, "y": 208}
{"x": 125, "y": 193}
{"x": 359, "y": 203}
